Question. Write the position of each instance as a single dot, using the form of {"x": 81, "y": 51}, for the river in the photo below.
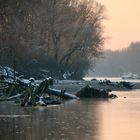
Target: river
{"x": 88, "y": 119}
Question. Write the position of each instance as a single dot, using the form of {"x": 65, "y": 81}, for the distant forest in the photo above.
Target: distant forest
{"x": 50, "y": 36}
{"x": 115, "y": 63}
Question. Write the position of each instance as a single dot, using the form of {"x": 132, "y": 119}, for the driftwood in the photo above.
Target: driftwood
{"x": 30, "y": 95}
{"x": 36, "y": 95}
{"x": 4, "y": 87}
{"x": 61, "y": 93}
{"x": 30, "y": 98}
{"x": 11, "y": 98}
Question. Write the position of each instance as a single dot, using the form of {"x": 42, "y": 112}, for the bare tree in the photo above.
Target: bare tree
{"x": 86, "y": 36}
{"x": 66, "y": 32}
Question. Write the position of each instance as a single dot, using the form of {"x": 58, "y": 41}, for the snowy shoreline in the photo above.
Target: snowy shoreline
{"x": 74, "y": 85}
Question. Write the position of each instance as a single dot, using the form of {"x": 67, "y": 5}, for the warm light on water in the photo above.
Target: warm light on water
{"x": 88, "y": 119}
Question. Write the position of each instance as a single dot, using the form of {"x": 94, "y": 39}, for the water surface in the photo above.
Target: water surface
{"x": 88, "y": 119}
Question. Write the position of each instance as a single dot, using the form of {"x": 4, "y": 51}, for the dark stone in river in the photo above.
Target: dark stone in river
{"x": 90, "y": 92}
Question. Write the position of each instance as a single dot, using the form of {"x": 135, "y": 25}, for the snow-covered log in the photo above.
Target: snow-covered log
{"x": 11, "y": 98}
{"x": 61, "y": 93}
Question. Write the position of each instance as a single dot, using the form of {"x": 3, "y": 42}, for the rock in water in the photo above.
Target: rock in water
{"x": 90, "y": 92}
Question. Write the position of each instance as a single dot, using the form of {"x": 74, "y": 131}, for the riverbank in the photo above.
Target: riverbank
{"x": 73, "y": 86}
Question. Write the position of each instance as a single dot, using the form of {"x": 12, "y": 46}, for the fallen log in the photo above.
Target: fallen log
{"x": 4, "y": 87}
{"x": 61, "y": 93}
{"x": 14, "y": 97}
{"x": 11, "y": 98}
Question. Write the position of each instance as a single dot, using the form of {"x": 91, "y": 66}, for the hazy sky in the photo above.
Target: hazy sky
{"x": 123, "y": 24}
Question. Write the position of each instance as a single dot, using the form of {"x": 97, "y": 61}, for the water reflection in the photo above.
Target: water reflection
{"x": 116, "y": 119}
{"x": 72, "y": 120}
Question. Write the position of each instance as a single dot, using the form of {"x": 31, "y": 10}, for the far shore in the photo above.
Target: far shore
{"x": 73, "y": 86}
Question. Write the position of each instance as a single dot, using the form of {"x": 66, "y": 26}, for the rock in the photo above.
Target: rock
{"x": 90, "y": 92}
{"x": 126, "y": 85}
{"x": 112, "y": 96}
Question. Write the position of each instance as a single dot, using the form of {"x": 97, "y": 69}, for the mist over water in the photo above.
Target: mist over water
{"x": 115, "y": 63}
{"x": 88, "y": 119}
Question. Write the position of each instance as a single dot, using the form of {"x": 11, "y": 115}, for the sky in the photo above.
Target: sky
{"x": 123, "y": 24}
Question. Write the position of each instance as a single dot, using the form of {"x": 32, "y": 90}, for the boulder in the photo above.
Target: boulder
{"x": 90, "y": 92}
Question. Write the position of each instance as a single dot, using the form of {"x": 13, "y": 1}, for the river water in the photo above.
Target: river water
{"x": 88, "y": 119}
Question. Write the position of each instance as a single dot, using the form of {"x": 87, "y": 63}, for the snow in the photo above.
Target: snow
{"x": 55, "y": 90}
{"x": 7, "y": 71}
{"x": 65, "y": 93}
{"x": 41, "y": 102}
{"x": 70, "y": 95}
{"x": 25, "y": 81}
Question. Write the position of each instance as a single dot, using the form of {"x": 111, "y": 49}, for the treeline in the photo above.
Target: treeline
{"x": 115, "y": 63}
{"x": 52, "y": 36}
